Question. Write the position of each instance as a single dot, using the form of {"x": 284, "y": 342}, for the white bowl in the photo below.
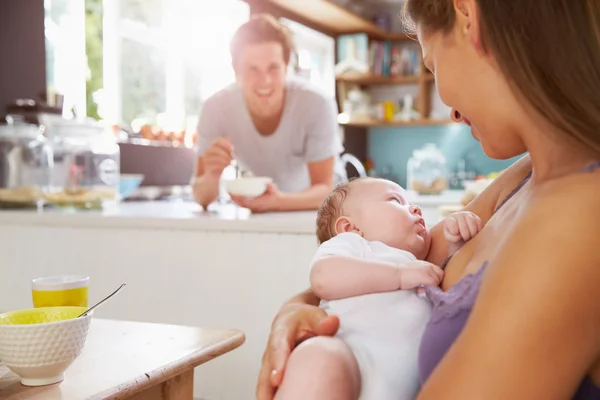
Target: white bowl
{"x": 251, "y": 186}
{"x": 39, "y": 351}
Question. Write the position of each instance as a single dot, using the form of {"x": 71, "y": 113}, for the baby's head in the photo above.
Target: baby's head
{"x": 376, "y": 209}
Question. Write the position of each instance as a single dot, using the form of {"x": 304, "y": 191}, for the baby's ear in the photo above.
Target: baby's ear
{"x": 344, "y": 224}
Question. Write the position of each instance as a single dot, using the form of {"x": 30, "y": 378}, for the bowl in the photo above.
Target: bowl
{"x": 39, "y": 344}
{"x": 128, "y": 184}
{"x": 251, "y": 186}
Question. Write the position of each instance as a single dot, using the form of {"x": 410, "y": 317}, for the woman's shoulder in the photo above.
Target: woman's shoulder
{"x": 565, "y": 209}
{"x": 572, "y": 193}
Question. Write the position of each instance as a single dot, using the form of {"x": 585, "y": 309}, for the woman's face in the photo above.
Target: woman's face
{"x": 469, "y": 82}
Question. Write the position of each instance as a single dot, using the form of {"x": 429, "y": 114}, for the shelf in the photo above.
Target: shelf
{"x": 329, "y": 17}
{"x": 372, "y": 123}
{"x": 368, "y": 79}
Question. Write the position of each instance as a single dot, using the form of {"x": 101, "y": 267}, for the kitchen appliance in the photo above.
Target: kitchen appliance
{"x": 25, "y": 165}
{"x": 86, "y": 165}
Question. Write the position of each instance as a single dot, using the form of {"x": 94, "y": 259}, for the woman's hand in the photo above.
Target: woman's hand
{"x": 294, "y": 323}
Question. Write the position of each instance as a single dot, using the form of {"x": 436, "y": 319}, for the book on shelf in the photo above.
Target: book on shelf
{"x": 393, "y": 60}
{"x": 357, "y": 55}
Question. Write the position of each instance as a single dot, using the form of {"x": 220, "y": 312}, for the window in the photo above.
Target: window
{"x": 166, "y": 56}
{"x": 144, "y": 61}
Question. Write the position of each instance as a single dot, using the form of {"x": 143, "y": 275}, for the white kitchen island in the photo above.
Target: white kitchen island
{"x": 224, "y": 269}
{"x": 221, "y": 269}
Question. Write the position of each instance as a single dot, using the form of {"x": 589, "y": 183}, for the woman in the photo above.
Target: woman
{"x": 280, "y": 127}
{"x": 518, "y": 312}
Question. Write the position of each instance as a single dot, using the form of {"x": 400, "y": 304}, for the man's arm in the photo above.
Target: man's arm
{"x": 321, "y": 183}
{"x": 206, "y": 186}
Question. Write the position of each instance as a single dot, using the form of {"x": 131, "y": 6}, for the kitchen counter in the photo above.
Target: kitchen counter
{"x": 224, "y": 268}
{"x": 181, "y": 215}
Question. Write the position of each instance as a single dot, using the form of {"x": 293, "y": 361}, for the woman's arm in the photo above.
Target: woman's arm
{"x": 298, "y": 320}
{"x": 534, "y": 331}
{"x": 483, "y": 205}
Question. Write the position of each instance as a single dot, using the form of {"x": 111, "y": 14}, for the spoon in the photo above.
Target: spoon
{"x": 101, "y": 301}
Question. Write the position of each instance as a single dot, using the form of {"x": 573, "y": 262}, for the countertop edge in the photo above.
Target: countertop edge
{"x": 98, "y": 221}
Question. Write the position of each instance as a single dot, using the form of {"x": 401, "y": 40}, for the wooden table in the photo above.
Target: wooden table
{"x": 131, "y": 360}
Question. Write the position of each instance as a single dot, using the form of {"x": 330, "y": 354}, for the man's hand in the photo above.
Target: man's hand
{"x": 218, "y": 156}
{"x": 461, "y": 227}
{"x": 268, "y": 201}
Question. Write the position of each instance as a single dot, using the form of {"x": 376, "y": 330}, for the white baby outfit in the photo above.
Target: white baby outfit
{"x": 383, "y": 330}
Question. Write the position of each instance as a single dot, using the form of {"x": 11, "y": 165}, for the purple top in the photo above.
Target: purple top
{"x": 451, "y": 311}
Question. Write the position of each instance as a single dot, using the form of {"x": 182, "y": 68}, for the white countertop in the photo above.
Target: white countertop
{"x": 186, "y": 215}
{"x": 180, "y": 215}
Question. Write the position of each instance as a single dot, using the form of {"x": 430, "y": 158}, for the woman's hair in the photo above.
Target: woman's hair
{"x": 261, "y": 28}
{"x": 549, "y": 51}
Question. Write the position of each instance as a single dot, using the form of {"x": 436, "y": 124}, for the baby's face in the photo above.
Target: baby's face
{"x": 380, "y": 210}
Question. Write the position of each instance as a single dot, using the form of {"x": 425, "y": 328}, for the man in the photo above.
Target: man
{"x": 276, "y": 126}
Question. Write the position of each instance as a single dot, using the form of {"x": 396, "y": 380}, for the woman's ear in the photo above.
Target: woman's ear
{"x": 345, "y": 224}
{"x": 467, "y": 22}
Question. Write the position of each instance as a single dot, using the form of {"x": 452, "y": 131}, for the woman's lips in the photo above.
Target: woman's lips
{"x": 466, "y": 121}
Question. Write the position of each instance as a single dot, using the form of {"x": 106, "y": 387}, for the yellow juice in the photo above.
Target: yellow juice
{"x": 60, "y": 291}
{"x": 56, "y": 298}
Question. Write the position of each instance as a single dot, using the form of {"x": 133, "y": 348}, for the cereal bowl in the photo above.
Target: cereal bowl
{"x": 39, "y": 344}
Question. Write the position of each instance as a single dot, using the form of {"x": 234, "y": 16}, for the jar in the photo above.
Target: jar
{"x": 86, "y": 167}
{"x": 427, "y": 171}
{"x": 25, "y": 165}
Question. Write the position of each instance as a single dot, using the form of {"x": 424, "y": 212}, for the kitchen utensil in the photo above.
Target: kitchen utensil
{"x": 102, "y": 301}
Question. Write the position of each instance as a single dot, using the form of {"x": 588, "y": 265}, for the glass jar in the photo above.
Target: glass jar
{"x": 25, "y": 165}
{"x": 86, "y": 167}
{"x": 427, "y": 171}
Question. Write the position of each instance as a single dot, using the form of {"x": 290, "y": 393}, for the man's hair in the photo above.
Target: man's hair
{"x": 261, "y": 28}
{"x": 331, "y": 210}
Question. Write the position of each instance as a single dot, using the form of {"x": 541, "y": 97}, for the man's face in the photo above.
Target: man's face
{"x": 261, "y": 71}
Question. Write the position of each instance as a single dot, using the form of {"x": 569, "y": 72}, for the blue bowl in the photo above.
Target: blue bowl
{"x": 128, "y": 184}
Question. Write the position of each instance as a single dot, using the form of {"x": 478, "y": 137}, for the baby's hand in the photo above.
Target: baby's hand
{"x": 461, "y": 227}
{"x": 420, "y": 273}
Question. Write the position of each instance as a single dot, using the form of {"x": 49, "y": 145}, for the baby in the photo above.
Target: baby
{"x": 367, "y": 271}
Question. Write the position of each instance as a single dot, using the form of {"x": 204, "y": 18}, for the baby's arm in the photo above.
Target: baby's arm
{"x": 459, "y": 228}
{"x": 340, "y": 271}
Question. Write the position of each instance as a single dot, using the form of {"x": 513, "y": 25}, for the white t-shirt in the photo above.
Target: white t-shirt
{"x": 383, "y": 330}
{"x": 307, "y": 132}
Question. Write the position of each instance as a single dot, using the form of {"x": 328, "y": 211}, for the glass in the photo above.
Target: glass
{"x": 57, "y": 291}
{"x": 147, "y": 12}
{"x": 143, "y": 81}
{"x": 427, "y": 171}
{"x": 25, "y": 165}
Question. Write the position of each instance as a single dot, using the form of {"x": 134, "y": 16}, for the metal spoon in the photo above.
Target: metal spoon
{"x": 101, "y": 301}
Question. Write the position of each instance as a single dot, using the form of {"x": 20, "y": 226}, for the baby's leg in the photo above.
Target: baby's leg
{"x": 321, "y": 368}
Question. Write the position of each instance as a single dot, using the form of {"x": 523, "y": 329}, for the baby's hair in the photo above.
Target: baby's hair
{"x": 331, "y": 210}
